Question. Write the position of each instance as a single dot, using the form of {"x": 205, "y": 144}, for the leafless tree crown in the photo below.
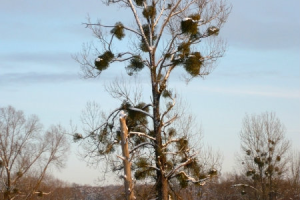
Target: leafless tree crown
{"x": 27, "y": 152}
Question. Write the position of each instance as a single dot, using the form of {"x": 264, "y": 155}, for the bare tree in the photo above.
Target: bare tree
{"x": 27, "y": 152}
{"x": 165, "y": 35}
{"x": 264, "y": 160}
{"x": 294, "y": 175}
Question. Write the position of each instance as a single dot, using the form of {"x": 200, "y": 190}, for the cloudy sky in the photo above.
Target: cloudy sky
{"x": 260, "y": 71}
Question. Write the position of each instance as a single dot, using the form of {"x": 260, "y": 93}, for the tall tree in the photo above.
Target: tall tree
{"x": 264, "y": 158}
{"x": 27, "y": 152}
{"x": 165, "y": 35}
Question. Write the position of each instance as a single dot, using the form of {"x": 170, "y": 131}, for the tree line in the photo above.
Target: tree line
{"x": 267, "y": 168}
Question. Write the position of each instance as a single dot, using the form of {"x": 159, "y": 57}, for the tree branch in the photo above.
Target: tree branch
{"x": 169, "y": 142}
{"x": 168, "y": 110}
{"x": 142, "y": 134}
{"x": 141, "y": 111}
{"x": 170, "y": 121}
{"x": 193, "y": 180}
{"x": 106, "y": 26}
{"x": 138, "y": 23}
{"x": 121, "y": 157}
{"x": 179, "y": 166}
{"x": 140, "y": 145}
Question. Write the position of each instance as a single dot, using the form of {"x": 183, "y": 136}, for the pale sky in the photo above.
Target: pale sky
{"x": 259, "y": 72}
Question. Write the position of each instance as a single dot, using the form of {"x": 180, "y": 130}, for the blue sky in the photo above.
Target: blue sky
{"x": 259, "y": 72}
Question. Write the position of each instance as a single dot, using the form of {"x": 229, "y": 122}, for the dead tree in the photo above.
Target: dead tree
{"x": 128, "y": 180}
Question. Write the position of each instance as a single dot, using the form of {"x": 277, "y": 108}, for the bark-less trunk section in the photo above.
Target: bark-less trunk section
{"x": 128, "y": 182}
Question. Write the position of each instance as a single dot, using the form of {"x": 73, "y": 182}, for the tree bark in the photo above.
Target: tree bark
{"x": 8, "y": 186}
{"x": 128, "y": 182}
{"x": 162, "y": 182}
{"x": 162, "y": 187}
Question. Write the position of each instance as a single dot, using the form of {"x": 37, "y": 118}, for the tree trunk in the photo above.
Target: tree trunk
{"x": 262, "y": 182}
{"x": 5, "y": 195}
{"x": 8, "y": 186}
{"x": 162, "y": 187}
{"x": 128, "y": 182}
{"x": 162, "y": 182}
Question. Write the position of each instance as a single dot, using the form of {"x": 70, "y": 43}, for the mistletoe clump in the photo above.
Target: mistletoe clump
{"x": 213, "y": 30}
{"x": 184, "y": 48}
{"x": 102, "y": 62}
{"x": 135, "y": 118}
{"x": 118, "y": 30}
{"x": 139, "y": 2}
{"x": 136, "y": 64}
{"x": 149, "y": 12}
{"x": 143, "y": 171}
{"x": 193, "y": 63}
{"x": 189, "y": 25}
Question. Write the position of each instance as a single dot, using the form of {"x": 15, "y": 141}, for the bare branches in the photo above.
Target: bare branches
{"x": 124, "y": 90}
{"x": 139, "y": 146}
{"x": 169, "y": 142}
{"x": 171, "y": 13}
{"x": 178, "y": 167}
{"x": 106, "y": 26}
{"x": 142, "y": 134}
{"x": 138, "y": 22}
{"x": 169, "y": 108}
{"x": 27, "y": 151}
{"x": 193, "y": 180}
{"x": 264, "y": 148}
{"x": 170, "y": 121}
{"x": 294, "y": 167}
{"x": 245, "y": 185}
{"x": 88, "y": 68}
